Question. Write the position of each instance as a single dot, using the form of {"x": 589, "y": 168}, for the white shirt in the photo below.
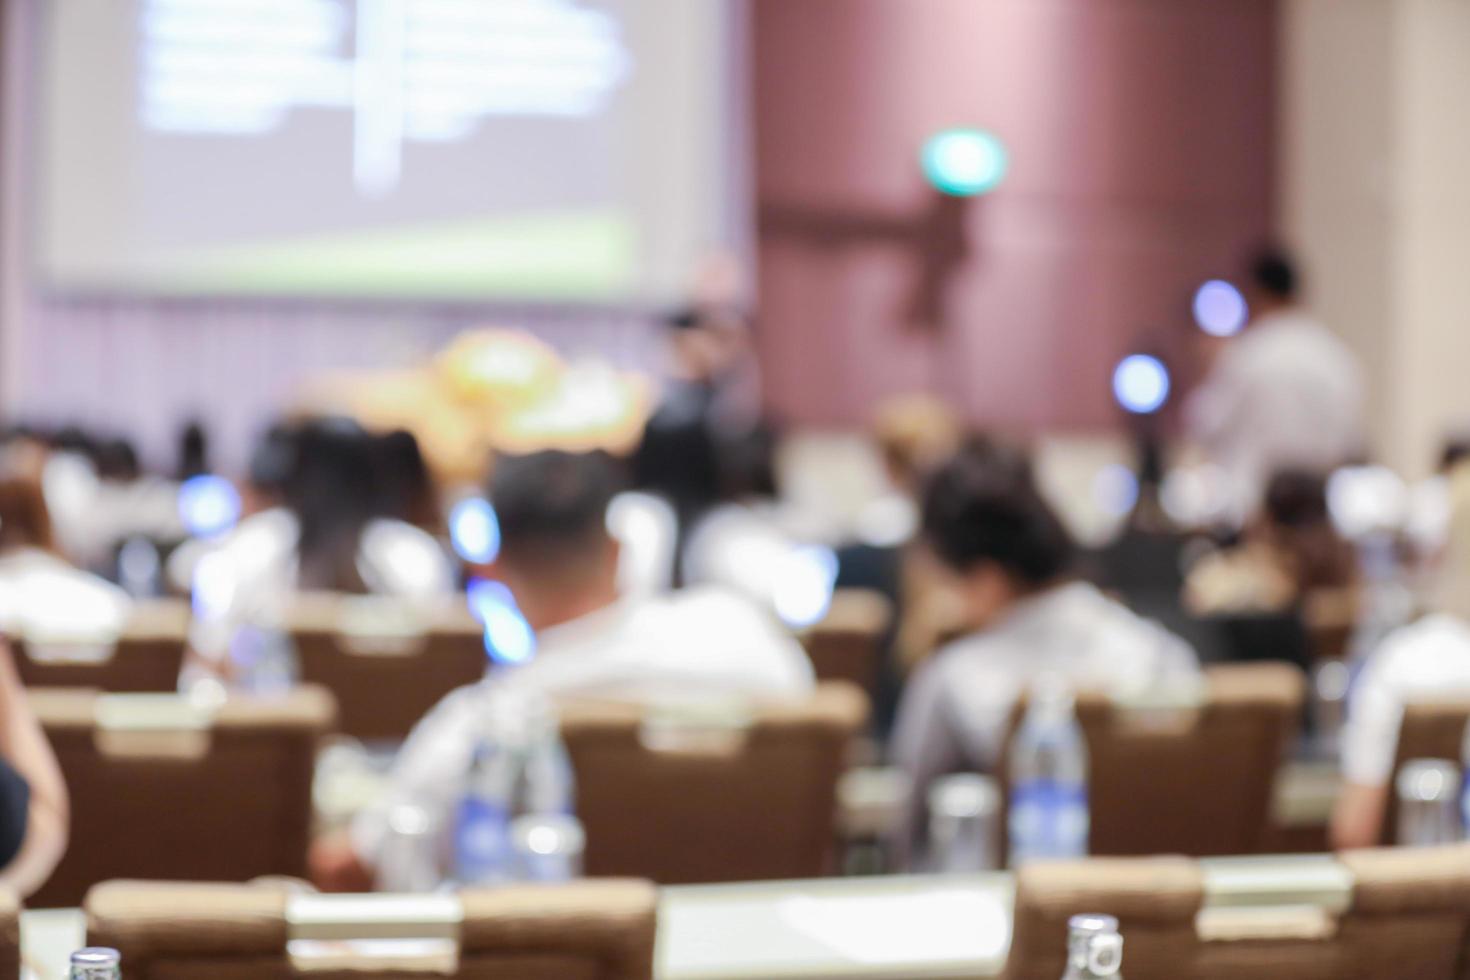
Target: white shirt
{"x": 740, "y": 547}
{"x": 1287, "y": 393}
{"x": 954, "y": 714}
{"x": 696, "y": 644}
{"x": 250, "y": 574}
{"x": 1430, "y": 658}
{"x": 42, "y": 595}
{"x": 956, "y": 708}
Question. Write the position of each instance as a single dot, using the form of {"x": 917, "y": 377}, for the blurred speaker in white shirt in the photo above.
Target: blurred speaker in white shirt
{"x": 1286, "y": 394}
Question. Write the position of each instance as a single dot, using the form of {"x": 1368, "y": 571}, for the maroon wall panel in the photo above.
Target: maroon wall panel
{"x": 1141, "y": 141}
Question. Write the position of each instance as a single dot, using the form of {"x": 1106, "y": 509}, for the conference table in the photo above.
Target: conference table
{"x": 874, "y": 928}
{"x": 881, "y": 928}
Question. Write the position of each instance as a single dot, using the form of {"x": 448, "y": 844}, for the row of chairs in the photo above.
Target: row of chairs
{"x": 386, "y": 663}
{"x": 162, "y": 789}
{"x": 1371, "y": 915}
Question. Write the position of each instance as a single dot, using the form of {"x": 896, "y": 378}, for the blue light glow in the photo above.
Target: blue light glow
{"x": 1141, "y": 384}
{"x": 509, "y": 639}
{"x": 1219, "y": 309}
{"x": 208, "y": 506}
{"x": 964, "y": 162}
{"x": 803, "y": 586}
{"x": 474, "y": 530}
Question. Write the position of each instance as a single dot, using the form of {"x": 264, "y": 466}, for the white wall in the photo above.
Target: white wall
{"x": 1375, "y": 143}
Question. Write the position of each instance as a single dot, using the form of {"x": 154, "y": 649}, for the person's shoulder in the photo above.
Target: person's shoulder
{"x": 1438, "y": 638}
{"x": 402, "y": 558}
{"x": 455, "y": 714}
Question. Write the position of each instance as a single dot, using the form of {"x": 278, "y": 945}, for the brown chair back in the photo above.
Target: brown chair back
{"x": 1430, "y": 729}
{"x": 686, "y": 803}
{"x": 9, "y": 936}
{"x": 1195, "y": 781}
{"x": 387, "y": 662}
{"x": 146, "y": 656}
{"x": 592, "y": 930}
{"x": 1405, "y": 916}
{"x": 847, "y": 645}
{"x": 159, "y": 790}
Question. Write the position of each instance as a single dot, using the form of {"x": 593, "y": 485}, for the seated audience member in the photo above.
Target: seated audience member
{"x": 1290, "y": 553}
{"x": 329, "y": 533}
{"x": 129, "y": 503}
{"x": 33, "y": 799}
{"x": 41, "y": 593}
{"x": 1426, "y": 659}
{"x": 1008, "y": 556}
{"x": 742, "y": 538}
{"x": 560, "y": 564}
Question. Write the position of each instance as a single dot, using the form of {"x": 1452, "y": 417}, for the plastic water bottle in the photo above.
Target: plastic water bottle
{"x": 1094, "y": 947}
{"x": 549, "y": 787}
{"x": 96, "y": 963}
{"x": 963, "y": 809}
{"x": 520, "y": 780}
{"x": 1048, "y": 762}
{"x": 265, "y": 660}
{"x": 482, "y": 820}
{"x": 1428, "y": 805}
{"x": 1465, "y": 784}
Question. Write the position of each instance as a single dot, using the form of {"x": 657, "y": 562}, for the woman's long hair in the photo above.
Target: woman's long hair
{"x": 332, "y": 489}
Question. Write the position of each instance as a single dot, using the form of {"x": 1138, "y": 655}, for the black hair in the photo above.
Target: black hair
{"x": 116, "y": 459}
{"x": 74, "y": 439}
{"x": 1274, "y": 272}
{"x": 1456, "y": 450}
{"x": 193, "y": 450}
{"x": 982, "y": 506}
{"x": 552, "y": 506}
{"x": 273, "y": 458}
{"x": 684, "y": 318}
{"x": 1296, "y": 498}
{"x": 406, "y": 485}
{"x": 332, "y": 489}
{"x": 747, "y": 464}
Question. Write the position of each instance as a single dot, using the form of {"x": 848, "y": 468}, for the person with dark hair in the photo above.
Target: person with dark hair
{"x": 329, "y": 532}
{"x": 742, "y": 537}
{"x": 1290, "y": 553}
{"x": 559, "y": 564}
{"x": 1009, "y": 559}
{"x": 1286, "y": 394}
{"x": 711, "y": 396}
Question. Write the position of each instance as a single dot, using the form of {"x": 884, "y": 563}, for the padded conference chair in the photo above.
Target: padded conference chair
{"x": 1393, "y": 915}
{"x": 1430, "y": 729}
{"x": 681, "y": 800}
{"x": 9, "y": 936}
{"x": 162, "y": 789}
{"x": 145, "y": 656}
{"x": 386, "y": 661}
{"x": 1189, "y": 779}
{"x": 847, "y": 644}
{"x": 588, "y": 930}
